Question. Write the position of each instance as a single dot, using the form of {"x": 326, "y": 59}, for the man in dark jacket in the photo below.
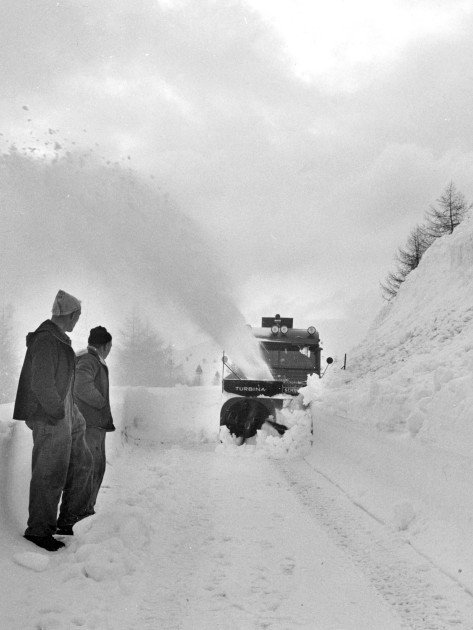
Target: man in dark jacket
{"x": 91, "y": 394}
{"x": 61, "y": 460}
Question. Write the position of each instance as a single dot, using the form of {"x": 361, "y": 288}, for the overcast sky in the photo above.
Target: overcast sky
{"x": 306, "y": 138}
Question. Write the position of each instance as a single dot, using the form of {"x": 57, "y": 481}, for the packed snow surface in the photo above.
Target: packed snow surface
{"x": 186, "y": 536}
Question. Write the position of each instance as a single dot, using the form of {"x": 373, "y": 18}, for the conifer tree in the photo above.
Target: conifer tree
{"x": 448, "y": 214}
{"x": 198, "y": 375}
{"x": 142, "y": 357}
{"x": 418, "y": 242}
{"x": 407, "y": 259}
{"x": 443, "y": 219}
{"x": 391, "y": 285}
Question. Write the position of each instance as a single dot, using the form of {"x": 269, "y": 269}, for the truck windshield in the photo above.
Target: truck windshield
{"x": 289, "y": 357}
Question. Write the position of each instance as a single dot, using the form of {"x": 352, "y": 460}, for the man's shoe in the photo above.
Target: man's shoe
{"x": 45, "y": 542}
{"x": 64, "y": 530}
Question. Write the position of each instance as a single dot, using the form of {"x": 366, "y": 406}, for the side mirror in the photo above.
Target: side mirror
{"x": 329, "y": 362}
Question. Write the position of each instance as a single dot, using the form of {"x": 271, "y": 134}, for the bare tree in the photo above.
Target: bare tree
{"x": 418, "y": 242}
{"x": 391, "y": 285}
{"x": 450, "y": 212}
{"x": 407, "y": 259}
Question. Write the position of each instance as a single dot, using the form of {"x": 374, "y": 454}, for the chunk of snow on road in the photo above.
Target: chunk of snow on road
{"x": 31, "y": 560}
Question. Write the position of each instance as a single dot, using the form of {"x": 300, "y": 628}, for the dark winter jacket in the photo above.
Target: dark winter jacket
{"x": 91, "y": 390}
{"x": 46, "y": 375}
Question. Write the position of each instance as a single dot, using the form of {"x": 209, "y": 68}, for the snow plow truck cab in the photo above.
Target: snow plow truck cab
{"x": 292, "y": 354}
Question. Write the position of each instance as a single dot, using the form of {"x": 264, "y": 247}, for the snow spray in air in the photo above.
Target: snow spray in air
{"x": 74, "y": 217}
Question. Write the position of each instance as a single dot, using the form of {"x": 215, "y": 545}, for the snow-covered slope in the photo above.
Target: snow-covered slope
{"x": 395, "y": 430}
{"x": 414, "y": 371}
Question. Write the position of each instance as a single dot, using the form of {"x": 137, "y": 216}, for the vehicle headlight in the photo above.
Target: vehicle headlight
{"x": 274, "y": 330}
{"x": 311, "y": 331}
{"x": 284, "y": 330}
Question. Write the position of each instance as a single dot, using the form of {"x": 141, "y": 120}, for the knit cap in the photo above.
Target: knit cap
{"x": 99, "y": 336}
{"x": 65, "y": 304}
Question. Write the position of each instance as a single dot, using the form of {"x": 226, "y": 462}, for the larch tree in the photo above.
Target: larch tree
{"x": 407, "y": 259}
{"x": 449, "y": 212}
{"x": 442, "y": 219}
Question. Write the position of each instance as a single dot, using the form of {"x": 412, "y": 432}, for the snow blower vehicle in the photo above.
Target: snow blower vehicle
{"x": 292, "y": 354}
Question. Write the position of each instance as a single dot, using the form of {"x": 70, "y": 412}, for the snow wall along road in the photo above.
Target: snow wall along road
{"x": 395, "y": 430}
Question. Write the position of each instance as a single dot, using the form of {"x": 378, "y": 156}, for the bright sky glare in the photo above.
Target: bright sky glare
{"x": 329, "y": 40}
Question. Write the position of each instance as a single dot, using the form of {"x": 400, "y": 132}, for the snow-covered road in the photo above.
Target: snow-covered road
{"x": 190, "y": 539}
{"x": 187, "y": 538}
{"x": 411, "y": 583}
{"x": 244, "y": 553}
{"x": 364, "y": 531}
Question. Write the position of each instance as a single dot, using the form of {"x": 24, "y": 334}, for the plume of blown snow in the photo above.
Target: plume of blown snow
{"x": 73, "y": 218}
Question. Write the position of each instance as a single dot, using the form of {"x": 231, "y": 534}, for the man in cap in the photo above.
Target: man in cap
{"x": 91, "y": 394}
{"x": 61, "y": 460}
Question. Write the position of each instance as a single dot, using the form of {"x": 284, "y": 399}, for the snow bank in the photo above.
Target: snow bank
{"x": 191, "y": 415}
{"x": 414, "y": 371}
{"x": 15, "y": 465}
{"x": 395, "y": 430}
{"x": 178, "y": 414}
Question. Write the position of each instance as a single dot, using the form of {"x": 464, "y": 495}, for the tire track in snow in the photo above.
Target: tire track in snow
{"x": 237, "y": 551}
{"x": 423, "y": 596}
{"x": 198, "y": 580}
{"x": 219, "y": 571}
